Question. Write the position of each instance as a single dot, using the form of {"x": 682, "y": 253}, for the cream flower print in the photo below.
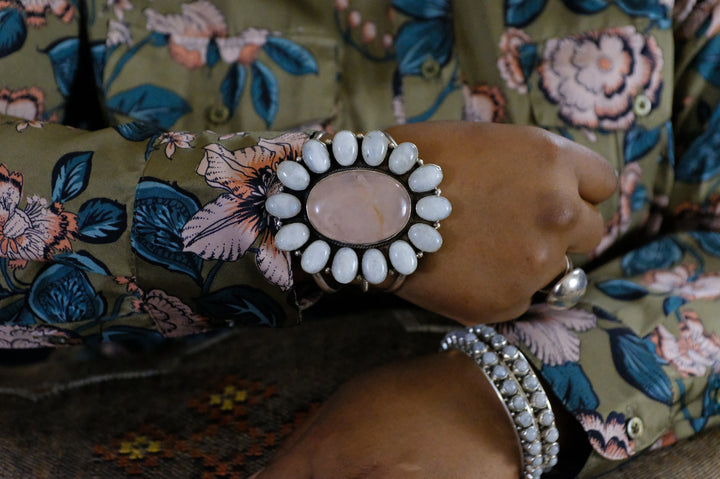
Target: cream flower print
{"x": 118, "y": 7}
{"x": 682, "y": 281}
{"x": 483, "y": 103}
{"x": 118, "y": 34}
{"x": 694, "y": 352}
{"x": 508, "y": 63}
{"x": 226, "y": 228}
{"x": 174, "y": 140}
{"x": 192, "y": 31}
{"x": 594, "y": 77}
{"x": 171, "y": 316}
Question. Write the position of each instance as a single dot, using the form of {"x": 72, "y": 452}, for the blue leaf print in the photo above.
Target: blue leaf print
{"x": 662, "y": 253}
{"x": 672, "y": 303}
{"x": 101, "y": 220}
{"x": 160, "y": 212}
{"x": 63, "y": 55}
{"x": 63, "y": 294}
{"x": 264, "y": 91}
{"x": 290, "y": 56}
{"x": 519, "y": 13}
{"x": 587, "y": 7}
{"x": 622, "y": 289}
{"x": 571, "y": 385}
{"x": 84, "y": 261}
{"x": 425, "y": 9}
{"x": 244, "y": 305}
{"x": 639, "y": 366}
{"x": 638, "y": 198}
{"x": 606, "y": 315}
{"x": 232, "y": 86}
{"x": 708, "y": 241}
{"x": 13, "y": 31}
{"x": 652, "y": 9}
{"x": 98, "y": 56}
{"x": 707, "y": 61}
{"x": 150, "y": 103}
{"x": 638, "y": 142}
{"x": 670, "y": 143}
{"x": 212, "y": 56}
{"x": 16, "y": 313}
{"x": 528, "y": 57}
{"x": 70, "y": 175}
{"x": 701, "y": 160}
{"x": 417, "y": 41}
{"x": 137, "y": 130}
{"x": 134, "y": 339}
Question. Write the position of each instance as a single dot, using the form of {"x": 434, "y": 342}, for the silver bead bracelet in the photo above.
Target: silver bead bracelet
{"x": 518, "y": 388}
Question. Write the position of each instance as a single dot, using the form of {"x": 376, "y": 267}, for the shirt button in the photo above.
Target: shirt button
{"x": 430, "y": 68}
{"x": 635, "y": 427}
{"x": 642, "y": 105}
{"x": 218, "y": 114}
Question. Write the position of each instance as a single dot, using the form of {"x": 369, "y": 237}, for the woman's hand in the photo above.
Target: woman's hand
{"x": 431, "y": 417}
{"x": 522, "y": 198}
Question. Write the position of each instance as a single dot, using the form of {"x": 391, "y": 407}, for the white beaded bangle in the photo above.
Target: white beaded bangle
{"x": 518, "y": 388}
{"x": 358, "y": 207}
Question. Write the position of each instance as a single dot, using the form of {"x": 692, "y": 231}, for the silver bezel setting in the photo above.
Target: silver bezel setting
{"x": 326, "y": 278}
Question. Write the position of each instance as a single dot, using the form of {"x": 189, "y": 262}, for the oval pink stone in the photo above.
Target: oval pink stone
{"x": 359, "y": 207}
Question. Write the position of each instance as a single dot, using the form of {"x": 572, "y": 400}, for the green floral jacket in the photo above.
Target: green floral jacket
{"x": 153, "y": 224}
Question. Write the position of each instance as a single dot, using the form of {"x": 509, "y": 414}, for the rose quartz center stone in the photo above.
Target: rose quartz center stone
{"x": 359, "y": 207}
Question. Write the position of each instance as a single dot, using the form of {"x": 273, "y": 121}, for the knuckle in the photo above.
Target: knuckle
{"x": 557, "y": 211}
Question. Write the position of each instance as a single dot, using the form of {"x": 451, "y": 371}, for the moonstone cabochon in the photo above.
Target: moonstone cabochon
{"x": 359, "y": 207}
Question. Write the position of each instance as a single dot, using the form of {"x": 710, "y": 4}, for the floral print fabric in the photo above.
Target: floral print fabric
{"x": 156, "y": 227}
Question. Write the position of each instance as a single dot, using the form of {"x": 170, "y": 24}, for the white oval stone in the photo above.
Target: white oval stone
{"x": 403, "y": 158}
{"x": 433, "y": 208}
{"x": 345, "y": 265}
{"x": 374, "y": 266}
{"x": 345, "y": 148}
{"x": 291, "y": 237}
{"x": 425, "y": 237}
{"x": 425, "y": 178}
{"x": 316, "y": 156}
{"x": 283, "y": 205}
{"x": 374, "y": 148}
{"x": 293, "y": 175}
{"x": 315, "y": 257}
{"x": 402, "y": 257}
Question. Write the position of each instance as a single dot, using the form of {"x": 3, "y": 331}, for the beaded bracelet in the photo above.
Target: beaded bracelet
{"x": 518, "y": 388}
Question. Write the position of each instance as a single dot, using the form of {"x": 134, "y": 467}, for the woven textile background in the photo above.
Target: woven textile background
{"x": 218, "y": 408}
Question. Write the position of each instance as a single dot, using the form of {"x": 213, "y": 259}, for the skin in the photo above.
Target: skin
{"x": 522, "y": 198}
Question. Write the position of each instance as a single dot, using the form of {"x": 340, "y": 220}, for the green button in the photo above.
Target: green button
{"x": 430, "y": 68}
{"x": 218, "y": 114}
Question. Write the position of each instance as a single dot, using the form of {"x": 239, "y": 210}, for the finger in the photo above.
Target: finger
{"x": 597, "y": 179}
{"x": 588, "y": 230}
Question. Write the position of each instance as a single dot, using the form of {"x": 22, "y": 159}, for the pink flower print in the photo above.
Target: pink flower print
{"x": 508, "y": 62}
{"x": 174, "y": 140}
{"x": 172, "y": 317}
{"x": 548, "y": 333}
{"x": 620, "y": 223}
{"x": 36, "y": 233}
{"x": 243, "y": 48}
{"x": 483, "y": 103}
{"x": 190, "y": 32}
{"x": 681, "y": 281}
{"x": 693, "y": 352}
{"x": 226, "y": 228}
{"x": 118, "y": 34}
{"x": 594, "y": 77}
{"x": 36, "y": 10}
{"x": 668, "y": 439}
{"x": 608, "y": 437}
{"x": 25, "y": 103}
